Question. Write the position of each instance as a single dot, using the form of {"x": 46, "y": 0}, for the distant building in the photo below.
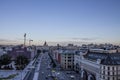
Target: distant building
{"x": 16, "y": 51}
{"x": 118, "y": 49}
{"x": 45, "y": 44}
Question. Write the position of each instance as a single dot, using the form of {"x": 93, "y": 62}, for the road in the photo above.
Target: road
{"x": 41, "y": 69}
{"x": 32, "y": 71}
{"x": 31, "y": 75}
{"x": 45, "y": 69}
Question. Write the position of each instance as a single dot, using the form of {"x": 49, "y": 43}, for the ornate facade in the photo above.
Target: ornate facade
{"x": 97, "y": 66}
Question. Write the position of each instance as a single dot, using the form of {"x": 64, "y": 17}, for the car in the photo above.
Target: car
{"x": 49, "y": 75}
{"x": 42, "y": 72}
{"x": 72, "y": 77}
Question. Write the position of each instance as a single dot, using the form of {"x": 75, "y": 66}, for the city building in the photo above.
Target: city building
{"x": 95, "y": 65}
{"x": 65, "y": 58}
{"x": 19, "y": 50}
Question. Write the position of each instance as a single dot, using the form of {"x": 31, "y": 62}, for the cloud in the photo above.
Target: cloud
{"x": 21, "y": 39}
{"x": 4, "y": 40}
{"x": 12, "y": 41}
{"x": 7, "y": 41}
{"x": 84, "y": 39}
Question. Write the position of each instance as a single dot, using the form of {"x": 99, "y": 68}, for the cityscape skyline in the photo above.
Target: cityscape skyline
{"x": 60, "y": 21}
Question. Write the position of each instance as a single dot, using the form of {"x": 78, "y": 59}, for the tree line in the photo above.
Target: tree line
{"x": 20, "y": 62}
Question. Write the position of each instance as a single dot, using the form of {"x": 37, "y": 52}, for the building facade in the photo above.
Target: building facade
{"x": 19, "y": 50}
{"x": 97, "y": 66}
{"x": 65, "y": 58}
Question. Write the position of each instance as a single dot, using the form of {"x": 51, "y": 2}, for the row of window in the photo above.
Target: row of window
{"x": 69, "y": 66}
{"x": 68, "y": 63}
{"x": 108, "y": 78}
{"x": 108, "y": 73}
{"x": 68, "y": 57}
{"x": 108, "y": 68}
{"x": 69, "y": 60}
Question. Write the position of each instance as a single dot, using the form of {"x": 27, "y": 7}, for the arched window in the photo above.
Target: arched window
{"x": 91, "y": 77}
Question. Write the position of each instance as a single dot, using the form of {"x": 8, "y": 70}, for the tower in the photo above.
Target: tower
{"x": 45, "y": 44}
{"x": 24, "y": 39}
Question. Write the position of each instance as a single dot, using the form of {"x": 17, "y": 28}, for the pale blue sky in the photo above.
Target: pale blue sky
{"x": 96, "y": 21}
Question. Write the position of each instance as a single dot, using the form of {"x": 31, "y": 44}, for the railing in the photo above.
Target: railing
{"x": 31, "y": 67}
{"x": 27, "y": 75}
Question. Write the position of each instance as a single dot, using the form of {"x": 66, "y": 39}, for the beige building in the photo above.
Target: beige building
{"x": 65, "y": 58}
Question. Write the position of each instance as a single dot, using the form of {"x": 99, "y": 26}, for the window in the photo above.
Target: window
{"x": 108, "y": 73}
{"x": 113, "y": 78}
{"x": 69, "y": 66}
{"x": 69, "y": 57}
{"x": 108, "y": 78}
{"x": 103, "y": 77}
{"x": 113, "y": 73}
{"x": 108, "y": 68}
{"x": 103, "y": 67}
{"x": 69, "y": 60}
{"x": 113, "y": 68}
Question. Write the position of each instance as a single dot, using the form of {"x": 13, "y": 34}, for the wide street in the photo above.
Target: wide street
{"x": 45, "y": 69}
{"x": 46, "y": 72}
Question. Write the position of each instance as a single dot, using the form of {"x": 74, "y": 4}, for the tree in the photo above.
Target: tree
{"x": 21, "y": 61}
{"x": 3, "y": 48}
{"x": 5, "y": 59}
{"x": 38, "y": 51}
{"x": 44, "y": 51}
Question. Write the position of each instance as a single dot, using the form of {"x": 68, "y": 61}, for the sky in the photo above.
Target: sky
{"x": 60, "y": 21}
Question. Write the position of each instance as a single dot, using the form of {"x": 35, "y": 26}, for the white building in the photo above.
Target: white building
{"x": 97, "y": 66}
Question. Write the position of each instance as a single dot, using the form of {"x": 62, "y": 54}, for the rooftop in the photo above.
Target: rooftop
{"x": 106, "y": 58}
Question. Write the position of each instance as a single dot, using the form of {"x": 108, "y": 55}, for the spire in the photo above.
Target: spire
{"x": 45, "y": 44}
